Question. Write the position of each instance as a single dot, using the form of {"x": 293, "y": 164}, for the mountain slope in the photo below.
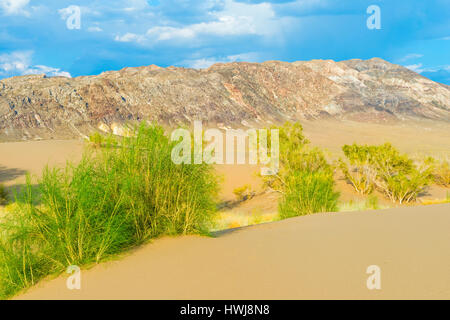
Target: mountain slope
{"x": 37, "y": 107}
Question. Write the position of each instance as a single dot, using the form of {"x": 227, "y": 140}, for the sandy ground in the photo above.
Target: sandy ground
{"x": 421, "y": 138}
{"x": 18, "y": 158}
{"x": 320, "y": 256}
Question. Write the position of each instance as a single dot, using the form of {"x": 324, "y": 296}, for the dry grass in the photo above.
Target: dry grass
{"x": 371, "y": 203}
{"x": 436, "y": 201}
{"x": 230, "y": 219}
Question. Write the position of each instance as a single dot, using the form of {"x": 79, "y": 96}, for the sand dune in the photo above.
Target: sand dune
{"x": 318, "y": 256}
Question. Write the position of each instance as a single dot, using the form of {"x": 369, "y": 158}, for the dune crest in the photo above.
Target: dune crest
{"x": 322, "y": 256}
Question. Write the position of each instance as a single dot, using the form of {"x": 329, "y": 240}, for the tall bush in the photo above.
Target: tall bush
{"x": 305, "y": 178}
{"x": 308, "y": 192}
{"x": 117, "y": 197}
{"x": 358, "y": 171}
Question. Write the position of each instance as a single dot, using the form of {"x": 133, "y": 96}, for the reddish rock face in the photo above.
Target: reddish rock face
{"x": 35, "y": 106}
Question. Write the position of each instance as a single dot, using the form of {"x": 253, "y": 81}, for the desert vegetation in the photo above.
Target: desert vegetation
{"x": 96, "y": 139}
{"x": 4, "y": 198}
{"x": 116, "y": 197}
{"x": 358, "y": 170}
{"x": 383, "y": 167}
{"x": 370, "y": 203}
{"x": 305, "y": 178}
{"x": 244, "y": 193}
{"x": 126, "y": 191}
{"x": 441, "y": 173}
{"x": 230, "y": 220}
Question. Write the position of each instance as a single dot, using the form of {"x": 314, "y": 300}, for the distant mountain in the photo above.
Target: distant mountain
{"x": 232, "y": 94}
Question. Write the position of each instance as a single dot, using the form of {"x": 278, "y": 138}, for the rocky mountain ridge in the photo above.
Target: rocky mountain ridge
{"x": 232, "y": 94}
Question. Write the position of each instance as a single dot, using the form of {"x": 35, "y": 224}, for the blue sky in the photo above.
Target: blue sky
{"x": 113, "y": 34}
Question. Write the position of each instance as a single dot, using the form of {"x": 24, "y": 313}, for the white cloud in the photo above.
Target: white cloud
{"x": 411, "y": 56}
{"x": 204, "y": 63}
{"x": 234, "y": 19}
{"x": 415, "y": 67}
{"x": 223, "y": 26}
{"x": 95, "y": 29}
{"x": 129, "y": 37}
{"x": 436, "y": 69}
{"x": 14, "y": 7}
{"x": 19, "y": 63}
{"x": 420, "y": 69}
{"x": 134, "y": 5}
{"x": 200, "y": 63}
{"x": 49, "y": 71}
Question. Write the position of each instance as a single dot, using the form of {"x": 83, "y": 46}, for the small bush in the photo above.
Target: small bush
{"x": 404, "y": 188}
{"x": 96, "y": 139}
{"x": 3, "y": 195}
{"x": 308, "y": 192}
{"x": 305, "y": 178}
{"x": 385, "y": 168}
{"x": 112, "y": 200}
{"x": 358, "y": 171}
{"x": 230, "y": 219}
{"x": 441, "y": 174}
{"x": 372, "y": 203}
{"x": 397, "y": 176}
{"x": 244, "y": 193}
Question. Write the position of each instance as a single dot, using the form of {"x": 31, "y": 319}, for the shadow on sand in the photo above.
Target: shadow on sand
{"x": 9, "y": 174}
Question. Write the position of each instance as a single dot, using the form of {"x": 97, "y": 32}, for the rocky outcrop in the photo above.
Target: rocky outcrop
{"x": 233, "y": 94}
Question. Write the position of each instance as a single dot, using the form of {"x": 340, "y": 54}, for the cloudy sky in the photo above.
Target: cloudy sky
{"x": 45, "y": 36}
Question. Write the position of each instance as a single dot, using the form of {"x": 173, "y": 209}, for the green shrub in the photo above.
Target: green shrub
{"x": 96, "y": 139}
{"x": 404, "y": 188}
{"x": 3, "y": 195}
{"x": 441, "y": 174}
{"x": 385, "y": 168}
{"x": 388, "y": 161}
{"x": 295, "y": 155}
{"x": 308, "y": 192}
{"x": 358, "y": 171}
{"x": 372, "y": 203}
{"x": 115, "y": 198}
{"x": 244, "y": 193}
{"x": 397, "y": 176}
{"x": 305, "y": 178}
